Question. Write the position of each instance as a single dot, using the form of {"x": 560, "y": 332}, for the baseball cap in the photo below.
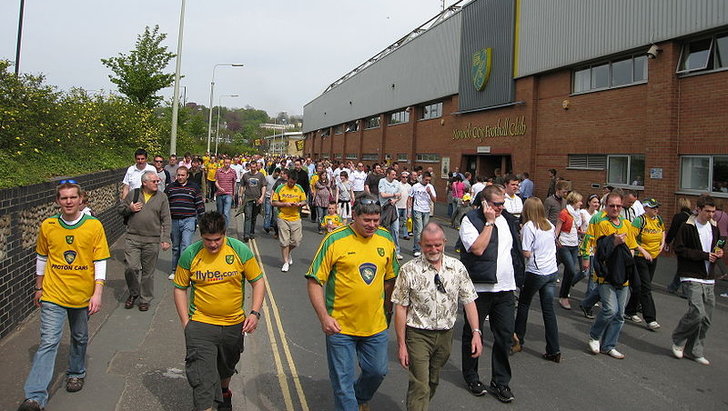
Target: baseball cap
{"x": 466, "y": 197}
{"x": 651, "y": 203}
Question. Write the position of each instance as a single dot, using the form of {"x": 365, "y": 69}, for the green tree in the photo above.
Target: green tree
{"x": 139, "y": 75}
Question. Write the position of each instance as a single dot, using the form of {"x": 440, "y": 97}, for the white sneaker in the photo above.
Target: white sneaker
{"x": 701, "y": 360}
{"x": 399, "y": 256}
{"x": 615, "y": 354}
{"x": 417, "y": 253}
{"x": 594, "y": 346}
{"x": 171, "y": 276}
{"x": 677, "y": 351}
{"x": 653, "y": 325}
{"x": 290, "y": 259}
{"x": 285, "y": 267}
{"x": 634, "y": 318}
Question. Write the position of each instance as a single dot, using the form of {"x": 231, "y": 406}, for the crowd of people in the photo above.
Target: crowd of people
{"x": 510, "y": 245}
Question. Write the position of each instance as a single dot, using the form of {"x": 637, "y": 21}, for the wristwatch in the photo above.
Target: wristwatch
{"x": 253, "y": 312}
{"x": 477, "y": 330}
{"x": 488, "y": 224}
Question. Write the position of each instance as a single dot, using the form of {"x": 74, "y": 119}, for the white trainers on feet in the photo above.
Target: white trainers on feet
{"x": 634, "y": 318}
{"x": 285, "y": 267}
{"x": 701, "y": 360}
{"x": 290, "y": 259}
{"x": 615, "y": 354}
{"x": 594, "y": 346}
{"x": 677, "y": 351}
{"x": 653, "y": 325}
{"x": 171, "y": 276}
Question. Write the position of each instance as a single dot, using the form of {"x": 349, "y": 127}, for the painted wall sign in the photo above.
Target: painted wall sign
{"x": 480, "y": 67}
{"x": 503, "y": 128}
{"x": 483, "y": 149}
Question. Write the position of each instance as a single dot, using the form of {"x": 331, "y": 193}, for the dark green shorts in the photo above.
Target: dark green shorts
{"x": 213, "y": 351}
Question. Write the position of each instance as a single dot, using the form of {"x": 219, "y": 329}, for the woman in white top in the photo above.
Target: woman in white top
{"x": 539, "y": 249}
{"x": 567, "y": 243}
{"x": 344, "y": 196}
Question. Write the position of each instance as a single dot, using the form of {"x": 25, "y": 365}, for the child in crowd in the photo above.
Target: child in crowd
{"x": 462, "y": 208}
{"x": 331, "y": 220}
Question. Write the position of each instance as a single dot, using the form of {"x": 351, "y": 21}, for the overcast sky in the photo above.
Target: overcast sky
{"x": 292, "y": 49}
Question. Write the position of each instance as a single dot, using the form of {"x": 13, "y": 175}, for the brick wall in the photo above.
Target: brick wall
{"x": 21, "y": 211}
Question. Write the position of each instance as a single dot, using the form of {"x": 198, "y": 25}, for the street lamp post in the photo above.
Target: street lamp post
{"x": 20, "y": 38}
{"x": 212, "y": 93}
{"x": 219, "y": 107}
{"x": 175, "y": 99}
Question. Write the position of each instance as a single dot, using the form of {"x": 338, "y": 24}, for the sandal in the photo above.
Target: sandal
{"x": 74, "y": 384}
{"x": 130, "y": 301}
{"x": 143, "y": 306}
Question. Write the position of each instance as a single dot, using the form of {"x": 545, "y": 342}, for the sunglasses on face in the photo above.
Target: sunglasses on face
{"x": 367, "y": 201}
{"x": 439, "y": 285}
{"x": 614, "y": 205}
{"x": 497, "y": 204}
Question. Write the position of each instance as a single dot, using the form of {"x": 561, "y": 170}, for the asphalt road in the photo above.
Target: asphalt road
{"x": 136, "y": 360}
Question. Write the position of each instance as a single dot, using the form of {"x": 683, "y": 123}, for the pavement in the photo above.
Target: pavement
{"x": 136, "y": 359}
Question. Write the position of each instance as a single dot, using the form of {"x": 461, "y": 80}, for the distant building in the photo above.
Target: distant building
{"x": 632, "y": 94}
{"x": 290, "y": 143}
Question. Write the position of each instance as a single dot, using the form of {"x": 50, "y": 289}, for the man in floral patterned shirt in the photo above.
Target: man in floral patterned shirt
{"x": 427, "y": 292}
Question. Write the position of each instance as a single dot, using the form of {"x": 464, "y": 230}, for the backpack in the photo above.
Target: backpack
{"x": 136, "y": 198}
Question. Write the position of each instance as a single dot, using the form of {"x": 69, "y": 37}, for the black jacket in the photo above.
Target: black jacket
{"x": 690, "y": 255}
{"x": 677, "y": 221}
{"x": 482, "y": 268}
{"x": 615, "y": 264}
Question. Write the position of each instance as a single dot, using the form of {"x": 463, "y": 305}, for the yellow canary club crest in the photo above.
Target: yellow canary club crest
{"x": 229, "y": 259}
{"x": 480, "y": 67}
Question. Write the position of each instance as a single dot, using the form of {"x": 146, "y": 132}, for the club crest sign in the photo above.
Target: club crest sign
{"x": 368, "y": 271}
{"x": 480, "y": 67}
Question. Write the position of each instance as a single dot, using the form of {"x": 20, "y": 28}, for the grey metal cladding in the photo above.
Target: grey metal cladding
{"x": 560, "y": 33}
{"x": 423, "y": 69}
{"x": 487, "y": 24}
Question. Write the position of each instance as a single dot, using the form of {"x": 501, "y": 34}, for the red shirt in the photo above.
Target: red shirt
{"x": 226, "y": 180}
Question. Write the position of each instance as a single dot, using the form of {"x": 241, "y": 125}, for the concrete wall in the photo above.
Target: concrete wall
{"x": 22, "y": 209}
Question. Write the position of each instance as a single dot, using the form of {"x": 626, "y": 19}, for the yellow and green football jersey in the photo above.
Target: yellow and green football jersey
{"x": 352, "y": 270}
{"x": 71, "y": 252}
{"x": 287, "y": 194}
{"x": 649, "y": 233}
{"x": 217, "y": 281}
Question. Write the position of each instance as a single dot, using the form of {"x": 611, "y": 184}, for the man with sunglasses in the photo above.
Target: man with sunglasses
{"x": 148, "y": 228}
{"x": 491, "y": 251}
{"x": 350, "y": 282}
{"x": 426, "y": 293}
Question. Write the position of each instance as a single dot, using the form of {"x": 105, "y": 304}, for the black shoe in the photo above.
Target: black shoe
{"x": 129, "y": 303}
{"x": 502, "y": 393}
{"x": 30, "y": 405}
{"x": 246, "y": 239}
{"x": 552, "y": 357}
{"x": 476, "y": 388}
{"x": 267, "y": 230}
{"x": 587, "y": 312}
{"x": 227, "y": 401}
{"x": 75, "y": 384}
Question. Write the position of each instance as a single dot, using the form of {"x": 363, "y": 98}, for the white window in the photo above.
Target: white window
{"x": 617, "y": 73}
{"x": 369, "y": 157}
{"x": 704, "y": 54}
{"x": 402, "y": 157}
{"x": 433, "y": 110}
{"x": 399, "y": 117}
{"x": 351, "y": 156}
{"x": 626, "y": 169}
{"x": 372, "y": 122}
{"x": 428, "y": 157}
{"x": 704, "y": 173}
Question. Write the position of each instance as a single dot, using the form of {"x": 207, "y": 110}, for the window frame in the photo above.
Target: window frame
{"x": 369, "y": 120}
{"x": 426, "y": 110}
{"x": 369, "y": 157}
{"x": 401, "y": 113}
{"x": 594, "y": 162}
{"x": 403, "y": 157}
{"x": 630, "y": 177}
{"x": 710, "y": 177}
{"x": 425, "y": 157}
{"x": 590, "y": 68}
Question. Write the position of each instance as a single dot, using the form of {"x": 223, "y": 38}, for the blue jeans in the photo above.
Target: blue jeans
{"x": 52, "y": 317}
{"x": 402, "y": 213}
{"x": 592, "y": 291}
{"x": 342, "y": 351}
{"x": 546, "y": 287}
{"x": 610, "y": 319}
{"x": 224, "y": 202}
{"x": 182, "y": 231}
{"x": 570, "y": 258}
{"x": 269, "y": 221}
{"x": 419, "y": 221}
{"x": 252, "y": 209}
{"x": 394, "y": 231}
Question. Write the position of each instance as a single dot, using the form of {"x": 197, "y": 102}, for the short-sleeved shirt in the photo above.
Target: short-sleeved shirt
{"x": 287, "y": 194}
{"x": 133, "y": 176}
{"x": 430, "y": 309}
{"x": 352, "y": 270}
{"x": 217, "y": 281}
{"x": 357, "y": 179}
{"x": 226, "y": 180}
{"x": 599, "y": 226}
{"x": 542, "y": 247}
{"x": 386, "y": 187}
{"x": 211, "y": 169}
{"x": 649, "y": 233}
{"x": 420, "y": 198}
{"x": 334, "y": 219}
{"x": 254, "y": 184}
{"x": 71, "y": 252}
{"x": 514, "y": 205}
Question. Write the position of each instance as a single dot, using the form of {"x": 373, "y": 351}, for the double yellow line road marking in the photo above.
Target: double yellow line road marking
{"x": 271, "y": 313}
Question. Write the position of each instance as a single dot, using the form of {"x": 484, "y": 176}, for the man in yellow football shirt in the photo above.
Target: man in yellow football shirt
{"x": 70, "y": 273}
{"x": 350, "y": 282}
{"x": 288, "y": 198}
{"x": 215, "y": 270}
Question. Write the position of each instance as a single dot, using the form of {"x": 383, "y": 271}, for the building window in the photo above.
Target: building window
{"x": 399, "y": 117}
{"x": 626, "y": 169}
{"x": 615, "y": 73}
{"x": 339, "y": 129}
{"x": 352, "y": 126}
{"x": 372, "y": 122}
{"x": 351, "y": 156}
{"x": 587, "y": 161}
{"x": 325, "y": 132}
{"x": 402, "y": 157}
{"x": 704, "y": 173}
{"x": 705, "y": 54}
{"x": 428, "y": 158}
{"x": 429, "y": 111}
{"x": 337, "y": 156}
{"x": 369, "y": 157}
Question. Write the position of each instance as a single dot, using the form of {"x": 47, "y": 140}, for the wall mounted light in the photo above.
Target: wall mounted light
{"x": 565, "y": 104}
{"x": 652, "y": 51}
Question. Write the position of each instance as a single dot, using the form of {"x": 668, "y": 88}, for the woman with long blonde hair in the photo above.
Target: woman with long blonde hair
{"x": 539, "y": 249}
